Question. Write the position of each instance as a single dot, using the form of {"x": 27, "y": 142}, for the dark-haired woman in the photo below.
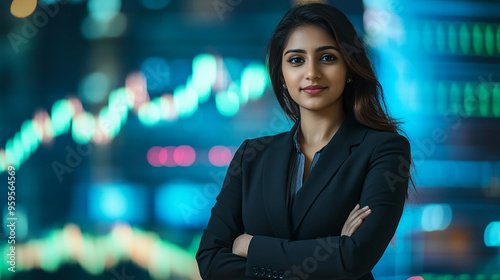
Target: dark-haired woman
{"x": 323, "y": 200}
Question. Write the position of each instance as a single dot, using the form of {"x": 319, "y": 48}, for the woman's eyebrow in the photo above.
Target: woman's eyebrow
{"x": 317, "y": 49}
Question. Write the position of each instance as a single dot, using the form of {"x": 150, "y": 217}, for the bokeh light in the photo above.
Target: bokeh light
{"x": 254, "y": 80}
{"x": 117, "y": 202}
{"x": 94, "y": 87}
{"x": 171, "y": 156}
{"x": 227, "y": 103}
{"x": 220, "y": 155}
{"x": 22, "y": 8}
{"x": 184, "y": 205}
{"x": 103, "y": 10}
{"x": 492, "y": 235}
{"x": 436, "y": 217}
{"x": 184, "y": 155}
{"x": 153, "y": 156}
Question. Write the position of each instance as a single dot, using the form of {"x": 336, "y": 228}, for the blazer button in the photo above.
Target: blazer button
{"x": 268, "y": 273}
{"x": 255, "y": 271}
{"x": 275, "y": 274}
{"x": 262, "y": 271}
{"x": 280, "y": 274}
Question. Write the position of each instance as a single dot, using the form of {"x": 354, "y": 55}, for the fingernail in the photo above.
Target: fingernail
{"x": 366, "y": 207}
{"x": 357, "y": 206}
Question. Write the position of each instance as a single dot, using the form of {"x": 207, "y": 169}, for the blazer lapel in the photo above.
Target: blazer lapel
{"x": 275, "y": 184}
{"x": 332, "y": 157}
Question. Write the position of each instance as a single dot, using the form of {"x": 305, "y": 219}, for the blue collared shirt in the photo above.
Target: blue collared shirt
{"x": 297, "y": 166}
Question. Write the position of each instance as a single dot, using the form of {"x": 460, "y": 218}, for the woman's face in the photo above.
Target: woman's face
{"x": 311, "y": 58}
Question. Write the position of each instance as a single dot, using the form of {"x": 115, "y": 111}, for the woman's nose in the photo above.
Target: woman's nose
{"x": 313, "y": 71}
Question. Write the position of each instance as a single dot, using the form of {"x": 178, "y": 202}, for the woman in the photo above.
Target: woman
{"x": 290, "y": 205}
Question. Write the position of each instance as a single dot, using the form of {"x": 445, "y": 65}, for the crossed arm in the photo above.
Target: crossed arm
{"x": 226, "y": 252}
{"x": 356, "y": 217}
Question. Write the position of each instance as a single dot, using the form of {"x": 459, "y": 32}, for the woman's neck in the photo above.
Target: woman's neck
{"x": 318, "y": 129}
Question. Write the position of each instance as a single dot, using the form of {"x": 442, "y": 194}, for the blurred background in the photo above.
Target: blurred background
{"x": 119, "y": 119}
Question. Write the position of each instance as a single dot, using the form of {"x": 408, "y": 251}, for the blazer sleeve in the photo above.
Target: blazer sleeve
{"x": 340, "y": 257}
{"x": 214, "y": 256}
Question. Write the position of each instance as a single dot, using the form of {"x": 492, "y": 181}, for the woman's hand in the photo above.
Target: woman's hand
{"x": 355, "y": 219}
{"x": 241, "y": 243}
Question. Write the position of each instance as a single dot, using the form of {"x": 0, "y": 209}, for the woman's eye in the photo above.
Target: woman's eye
{"x": 328, "y": 57}
{"x": 295, "y": 60}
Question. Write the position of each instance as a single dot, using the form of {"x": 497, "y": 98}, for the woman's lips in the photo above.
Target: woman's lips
{"x": 313, "y": 90}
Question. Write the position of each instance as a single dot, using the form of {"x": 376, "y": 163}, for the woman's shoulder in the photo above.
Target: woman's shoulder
{"x": 386, "y": 138}
{"x": 258, "y": 145}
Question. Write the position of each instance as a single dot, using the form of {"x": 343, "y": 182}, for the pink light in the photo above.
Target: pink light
{"x": 76, "y": 105}
{"x": 42, "y": 119}
{"x": 171, "y": 156}
{"x": 153, "y": 156}
{"x": 219, "y": 155}
{"x": 170, "y": 162}
{"x": 163, "y": 156}
{"x": 184, "y": 155}
{"x": 101, "y": 135}
{"x": 226, "y": 155}
{"x": 416, "y": 278}
{"x": 136, "y": 84}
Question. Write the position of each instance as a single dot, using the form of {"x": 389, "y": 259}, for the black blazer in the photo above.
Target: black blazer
{"x": 358, "y": 165}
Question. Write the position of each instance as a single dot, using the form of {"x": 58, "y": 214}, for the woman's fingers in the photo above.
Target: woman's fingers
{"x": 354, "y": 227}
{"x": 358, "y": 221}
{"x": 357, "y": 214}
{"x": 354, "y": 214}
{"x": 355, "y": 219}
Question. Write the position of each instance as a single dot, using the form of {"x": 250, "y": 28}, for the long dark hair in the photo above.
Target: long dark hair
{"x": 362, "y": 98}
